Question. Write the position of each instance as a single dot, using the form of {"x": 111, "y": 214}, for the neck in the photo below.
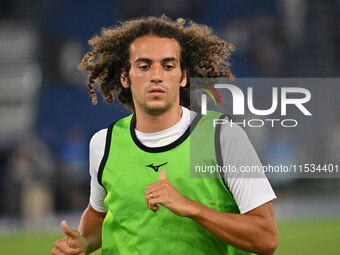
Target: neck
{"x": 148, "y": 123}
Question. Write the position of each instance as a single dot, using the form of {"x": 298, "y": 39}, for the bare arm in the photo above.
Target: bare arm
{"x": 90, "y": 227}
{"x": 84, "y": 241}
{"x": 254, "y": 231}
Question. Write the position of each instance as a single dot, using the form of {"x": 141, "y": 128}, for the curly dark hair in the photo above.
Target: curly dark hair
{"x": 202, "y": 54}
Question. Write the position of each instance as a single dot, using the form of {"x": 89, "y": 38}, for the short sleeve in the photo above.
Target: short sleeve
{"x": 97, "y": 192}
{"x": 238, "y": 151}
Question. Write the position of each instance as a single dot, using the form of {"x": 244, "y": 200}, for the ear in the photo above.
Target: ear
{"x": 124, "y": 79}
{"x": 184, "y": 80}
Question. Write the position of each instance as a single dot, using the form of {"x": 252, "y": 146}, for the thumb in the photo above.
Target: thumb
{"x": 69, "y": 231}
{"x": 162, "y": 175}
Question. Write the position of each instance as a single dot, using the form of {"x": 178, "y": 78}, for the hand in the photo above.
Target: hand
{"x": 164, "y": 193}
{"x": 73, "y": 244}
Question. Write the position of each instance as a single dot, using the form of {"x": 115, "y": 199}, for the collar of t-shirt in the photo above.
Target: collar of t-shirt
{"x": 169, "y": 135}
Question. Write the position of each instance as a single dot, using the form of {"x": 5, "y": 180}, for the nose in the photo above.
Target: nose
{"x": 156, "y": 74}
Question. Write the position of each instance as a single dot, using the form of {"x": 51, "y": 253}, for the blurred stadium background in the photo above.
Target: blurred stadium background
{"x": 47, "y": 120}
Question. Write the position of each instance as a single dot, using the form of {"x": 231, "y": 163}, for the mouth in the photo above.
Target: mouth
{"x": 156, "y": 91}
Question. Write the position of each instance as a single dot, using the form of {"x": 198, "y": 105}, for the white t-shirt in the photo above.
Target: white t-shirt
{"x": 236, "y": 149}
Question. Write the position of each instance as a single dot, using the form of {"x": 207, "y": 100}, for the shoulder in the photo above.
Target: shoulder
{"x": 222, "y": 121}
{"x": 233, "y": 131}
{"x": 97, "y": 141}
{"x": 236, "y": 146}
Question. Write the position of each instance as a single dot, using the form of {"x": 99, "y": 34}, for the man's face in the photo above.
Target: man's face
{"x": 155, "y": 74}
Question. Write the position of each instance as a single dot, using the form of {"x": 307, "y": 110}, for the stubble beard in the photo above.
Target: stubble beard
{"x": 150, "y": 109}
{"x": 155, "y": 110}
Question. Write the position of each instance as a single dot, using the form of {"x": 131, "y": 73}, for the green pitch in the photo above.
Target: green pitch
{"x": 316, "y": 237}
{"x": 30, "y": 244}
{"x": 295, "y": 237}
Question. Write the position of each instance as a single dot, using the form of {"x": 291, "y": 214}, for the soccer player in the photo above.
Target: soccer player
{"x": 142, "y": 199}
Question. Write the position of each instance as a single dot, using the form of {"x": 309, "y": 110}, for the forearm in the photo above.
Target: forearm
{"x": 91, "y": 228}
{"x": 247, "y": 232}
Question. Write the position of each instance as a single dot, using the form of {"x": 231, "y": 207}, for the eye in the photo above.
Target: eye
{"x": 168, "y": 67}
{"x": 143, "y": 67}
